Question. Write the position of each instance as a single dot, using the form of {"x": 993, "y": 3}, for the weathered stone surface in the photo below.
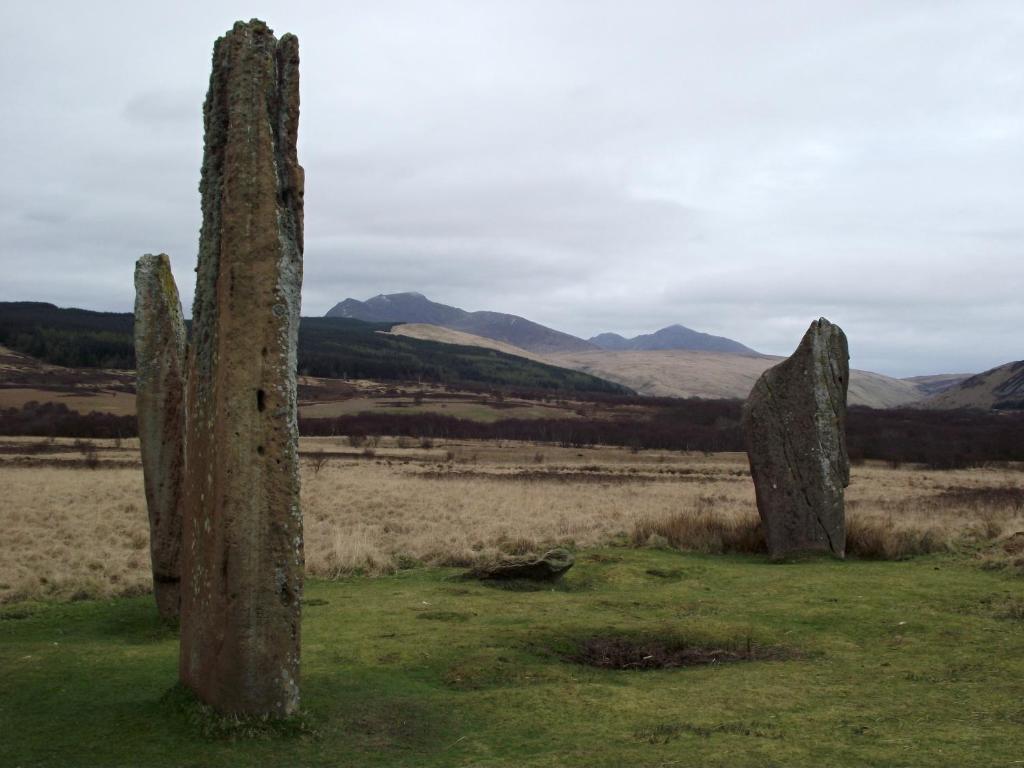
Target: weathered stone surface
{"x": 160, "y": 403}
{"x": 242, "y": 557}
{"x": 795, "y": 427}
{"x": 550, "y": 566}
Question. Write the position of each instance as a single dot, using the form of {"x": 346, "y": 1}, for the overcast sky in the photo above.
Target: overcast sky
{"x": 738, "y": 167}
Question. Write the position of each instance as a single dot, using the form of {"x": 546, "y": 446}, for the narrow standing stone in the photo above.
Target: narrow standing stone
{"x": 160, "y": 404}
{"x": 795, "y": 427}
{"x": 242, "y": 543}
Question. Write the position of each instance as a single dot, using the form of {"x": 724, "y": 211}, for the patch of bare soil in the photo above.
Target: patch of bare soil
{"x": 625, "y": 652}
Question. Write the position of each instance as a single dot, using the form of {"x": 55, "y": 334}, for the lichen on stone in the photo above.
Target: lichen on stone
{"x": 794, "y": 423}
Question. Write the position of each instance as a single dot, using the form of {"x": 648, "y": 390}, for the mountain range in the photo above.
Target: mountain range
{"x": 676, "y": 372}
{"x": 672, "y": 337}
{"x": 417, "y": 308}
{"x": 675, "y": 361}
{"x": 411, "y": 307}
{"x": 389, "y": 350}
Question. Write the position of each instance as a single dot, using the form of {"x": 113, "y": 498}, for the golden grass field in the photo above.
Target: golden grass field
{"x": 73, "y": 519}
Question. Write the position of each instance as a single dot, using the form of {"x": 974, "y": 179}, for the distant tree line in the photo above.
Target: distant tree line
{"x": 57, "y": 420}
{"x": 937, "y": 439}
{"x": 75, "y": 338}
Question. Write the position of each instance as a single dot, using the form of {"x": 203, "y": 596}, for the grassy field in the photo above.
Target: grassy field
{"x": 914, "y": 663}
{"x": 910, "y": 653}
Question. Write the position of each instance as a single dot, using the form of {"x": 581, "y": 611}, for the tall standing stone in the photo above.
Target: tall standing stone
{"x": 242, "y": 556}
{"x": 160, "y": 404}
{"x": 795, "y": 427}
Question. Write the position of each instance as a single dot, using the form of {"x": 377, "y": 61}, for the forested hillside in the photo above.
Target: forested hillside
{"x": 328, "y": 347}
{"x": 75, "y": 338}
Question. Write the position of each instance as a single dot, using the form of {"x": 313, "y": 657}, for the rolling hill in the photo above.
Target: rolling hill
{"x": 328, "y": 347}
{"x": 936, "y": 383}
{"x": 999, "y": 389}
{"x": 683, "y": 373}
{"x": 671, "y": 337}
{"x": 417, "y": 308}
{"x": 428, "y": 332}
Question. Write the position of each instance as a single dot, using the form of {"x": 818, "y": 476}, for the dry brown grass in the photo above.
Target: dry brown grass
{"x": 891, "y": 514}
{"x": 707, "y": 527}
{"x": 68, "y": 531}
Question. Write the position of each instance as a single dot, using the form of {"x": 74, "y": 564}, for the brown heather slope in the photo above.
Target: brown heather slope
{"x": 1001, "y": 388}
{"x": 936, "y": 383}
{"x": 677, "y": 372}
{"x": 24, "y": 379}
{"x": 428, "y": 332}
{"x": 660, "y": 373}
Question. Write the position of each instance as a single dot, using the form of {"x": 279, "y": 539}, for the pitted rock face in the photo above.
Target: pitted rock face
{"x": 795, "y": 427}
{"x": 160, "y": 402}
{"x": 242, "y": 540}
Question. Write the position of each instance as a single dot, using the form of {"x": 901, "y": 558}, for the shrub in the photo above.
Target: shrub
{"x": 702, "y": 529}
{"x": 880, "y": 538}
{"x": 317, "y": 461}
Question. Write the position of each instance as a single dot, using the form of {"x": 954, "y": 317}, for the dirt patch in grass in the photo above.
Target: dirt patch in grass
{"x": 444, "y": 616}
{"x": 663, "y": 733}
{"x": 661, "y": 573}
{"x": 16, "y": 614}
{"x": 608, "y": 651}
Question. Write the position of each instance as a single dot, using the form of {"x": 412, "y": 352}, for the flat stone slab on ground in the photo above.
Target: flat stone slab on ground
{"x": 550, "y": 566}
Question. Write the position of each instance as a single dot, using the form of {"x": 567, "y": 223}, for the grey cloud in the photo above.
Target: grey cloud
{"x": 603, "y": 165}
{"x": 163, "y": 108}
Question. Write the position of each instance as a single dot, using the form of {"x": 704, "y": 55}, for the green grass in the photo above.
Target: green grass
{"x": 917, "y": 663}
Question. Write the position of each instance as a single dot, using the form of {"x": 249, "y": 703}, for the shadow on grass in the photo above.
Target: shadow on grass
{"x": 136, "y": 622}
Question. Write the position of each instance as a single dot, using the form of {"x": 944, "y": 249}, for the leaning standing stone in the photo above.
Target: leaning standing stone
{"x": 242, "y": 544}
{"x": 795, "y": 427}
{"x": 160, "y": 404}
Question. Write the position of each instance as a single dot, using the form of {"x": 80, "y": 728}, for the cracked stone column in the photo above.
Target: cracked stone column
{"x": 242, "y": 556}
{"x": 795, "y": 427}
{"x": 160, "y": 404}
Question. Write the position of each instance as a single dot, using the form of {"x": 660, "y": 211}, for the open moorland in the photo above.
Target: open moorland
{"x": 673, "y": 641}
{"x": 74, "y": 525}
